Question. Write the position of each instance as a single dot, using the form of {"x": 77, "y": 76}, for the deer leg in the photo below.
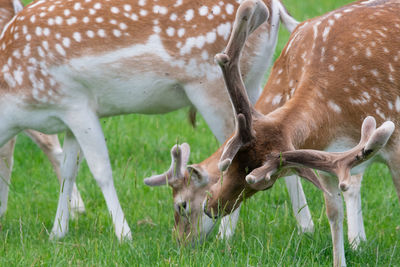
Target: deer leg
{"x": 87, "y": 130}
{"x": 299, "y": 204}
{"x": 334, "y": 211}
{"x": 6, "y": 164}
{"x": 355, "y": 224}
{"x": 68, "y": 173}
{"x": 214, "y": 105}
{"x": 394, "y": 166}
{"x": 50, "y": 145}
{"x": 228, "y": 224}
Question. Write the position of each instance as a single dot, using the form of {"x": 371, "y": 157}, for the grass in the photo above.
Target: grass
{"x": 139, "y": 145}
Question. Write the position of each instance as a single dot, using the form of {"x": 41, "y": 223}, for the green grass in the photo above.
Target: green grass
{"x": 139, "y": 145}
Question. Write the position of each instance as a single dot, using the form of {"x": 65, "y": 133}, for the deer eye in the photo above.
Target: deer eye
{"x": 182, "y": 208}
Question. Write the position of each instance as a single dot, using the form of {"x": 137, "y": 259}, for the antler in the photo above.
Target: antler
{"x": 340, "y": 164}
{"x": 250, "y": 15}
{"x": 180, "y": 157}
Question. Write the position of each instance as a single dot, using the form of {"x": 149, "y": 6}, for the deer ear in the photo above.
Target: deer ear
{"x": 179, "y": 158}
{"x": 197, "y": 175}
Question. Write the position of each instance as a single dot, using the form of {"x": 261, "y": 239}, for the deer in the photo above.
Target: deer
{"x": 49, "y": 144}
{"x": 65, "y": 64}
{"x": 335, "y": 88}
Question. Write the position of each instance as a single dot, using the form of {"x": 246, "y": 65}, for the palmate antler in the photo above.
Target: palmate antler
{"x": 250, "y": 15}
{"x": 340, "y": 164}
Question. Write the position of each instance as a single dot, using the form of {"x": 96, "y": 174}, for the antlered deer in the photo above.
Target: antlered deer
{"x": 48, "y": 143}
{"x": 66, "y": 63}
{"x": 335, "y": 71}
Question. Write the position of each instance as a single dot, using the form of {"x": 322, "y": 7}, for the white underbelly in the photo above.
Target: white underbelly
{"x": 112, "y": 92}
{"x": 139, "y": 94}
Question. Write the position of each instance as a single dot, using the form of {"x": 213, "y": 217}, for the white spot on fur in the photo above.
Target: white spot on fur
{"x": 229, "y": 9}
{"x": 143, "y": 12}
{"x": 101, "y": 33}
{"x": 181, "y": 32}
{"x": 60, "y": 50}
{"x": 189, "y": 15}
{"x": 375, "y": 72}
{"x": 216, "y": 10}
{"x": 224, "y": 30}
{"x": 332, "y": 105}
{"x": 160, "y": 10}
{"x": 77, "y": 36}
{"x": 66, "y": 42}
{"x": 211, "y": 37}
{"x": 90, "y": 34}
{"x": 58, "y": 20}
{"x": 19, "y": 75}
{"x": 173, "y": 17}
{"x": 170, "y": 31}
{"x": 276, "y": 100}
{"x": 326, "y": 33}
{"x": 368, "y": 52}
{"x": 203, "y": 11}
{"x": 117, "y": 33}
{"x": 115, "y": 10}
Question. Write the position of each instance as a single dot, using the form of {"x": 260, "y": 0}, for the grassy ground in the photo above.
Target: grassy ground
{"x": 139, "y": 145}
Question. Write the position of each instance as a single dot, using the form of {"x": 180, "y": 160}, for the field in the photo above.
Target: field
{"x": 139, "y": 145}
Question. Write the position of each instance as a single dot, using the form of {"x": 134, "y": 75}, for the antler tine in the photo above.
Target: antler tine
{"x": 367, "y": 129}
{"x": 179, "y": 158}
{"x": 250, "y": 15}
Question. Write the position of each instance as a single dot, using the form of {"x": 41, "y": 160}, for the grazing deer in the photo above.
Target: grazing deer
{"x": 65, "y": 64}
{"x": 331, "y": 76}
{"x": 48, "y": 143}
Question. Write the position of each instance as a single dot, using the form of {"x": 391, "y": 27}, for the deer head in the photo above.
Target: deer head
{"x": 189, "y": 185}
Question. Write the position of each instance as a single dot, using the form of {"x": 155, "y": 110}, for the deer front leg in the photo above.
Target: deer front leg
{"x": 69, "y": 167}
{"x": 299, "y": 204}
{"x": 334, "y": 211}
{"x": 212, "y": 102}
{"x": 87, "y": 130}
{"x": 50, "y": 145}
{"x": 355, "y": 224}
{"x": 6, "y": 164}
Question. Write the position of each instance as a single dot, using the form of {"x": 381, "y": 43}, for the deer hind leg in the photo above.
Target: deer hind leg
{"x": 50, "y": 145}
{"x": 6, "y": 164}
{"x": 334, "y": 211}
{"x": 68, "y": 174}
{"x": 299, "y": 204}
{"x": 86, "y": 128}
{"x": 355, "y": 224}
{"x": 228, "y": 225}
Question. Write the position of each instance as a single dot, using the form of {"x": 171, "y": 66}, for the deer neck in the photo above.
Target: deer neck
{"x": 304, "y": 124}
